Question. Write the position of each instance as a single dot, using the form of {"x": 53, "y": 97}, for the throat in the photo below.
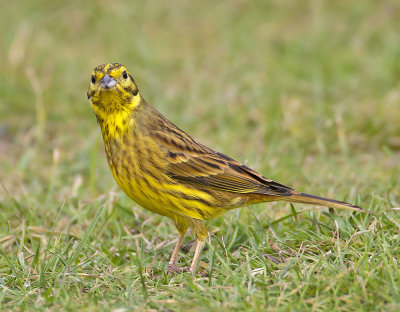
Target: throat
{"x": 115, "y": 117}
{"x": 114, "y": 126}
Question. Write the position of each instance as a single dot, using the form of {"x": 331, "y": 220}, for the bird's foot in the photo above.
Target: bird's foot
{"x": 274, "y": 259}
{"x": 172, "y": 269}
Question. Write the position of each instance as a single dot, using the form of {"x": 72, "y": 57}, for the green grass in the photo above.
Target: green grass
{"x": 307, "y": 93}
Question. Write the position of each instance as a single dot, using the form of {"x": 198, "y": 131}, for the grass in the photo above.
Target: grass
{"x": 305, "y": 92}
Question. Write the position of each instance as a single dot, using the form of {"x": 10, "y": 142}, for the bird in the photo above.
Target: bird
{"x": 166, "y": 171}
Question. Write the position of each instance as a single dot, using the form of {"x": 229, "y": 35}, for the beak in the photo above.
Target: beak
{"x": 107, "y": 82}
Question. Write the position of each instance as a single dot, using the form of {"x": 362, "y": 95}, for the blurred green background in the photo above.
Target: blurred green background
{"x": 307, "y": 92}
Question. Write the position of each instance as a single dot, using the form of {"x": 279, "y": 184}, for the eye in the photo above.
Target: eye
{"x": 93, "y": 79}
{"x": 125, "y": 74}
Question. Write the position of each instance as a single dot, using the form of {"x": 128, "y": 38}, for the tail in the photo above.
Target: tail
{"x": 321, "y": 201}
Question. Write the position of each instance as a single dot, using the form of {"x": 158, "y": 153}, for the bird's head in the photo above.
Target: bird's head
{"x": 112, "y": 90}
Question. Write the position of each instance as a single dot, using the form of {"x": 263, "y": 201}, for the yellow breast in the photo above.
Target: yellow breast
{"x": 138, "y": 167}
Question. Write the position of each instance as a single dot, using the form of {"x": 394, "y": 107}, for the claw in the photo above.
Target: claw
{"x": 172, "y": 269}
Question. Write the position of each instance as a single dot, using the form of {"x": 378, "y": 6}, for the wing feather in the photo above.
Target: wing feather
{"x": 194, "y": 164}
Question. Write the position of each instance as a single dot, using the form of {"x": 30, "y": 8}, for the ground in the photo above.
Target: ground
{"x": 306, "y": 92}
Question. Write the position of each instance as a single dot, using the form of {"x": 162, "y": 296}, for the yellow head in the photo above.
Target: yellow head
{"x": 112, "y": 90}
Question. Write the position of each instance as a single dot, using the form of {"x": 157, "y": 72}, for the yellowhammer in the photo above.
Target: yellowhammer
{"x": 166, "y": 171}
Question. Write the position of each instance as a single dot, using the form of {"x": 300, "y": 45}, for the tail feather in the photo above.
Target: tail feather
{"x": 321, "y": 201}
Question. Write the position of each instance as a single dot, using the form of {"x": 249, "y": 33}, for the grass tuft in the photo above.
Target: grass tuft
{"x": 305, "y": 92}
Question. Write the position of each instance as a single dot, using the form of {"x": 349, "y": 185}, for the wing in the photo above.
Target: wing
{"x": 192, "y": 163}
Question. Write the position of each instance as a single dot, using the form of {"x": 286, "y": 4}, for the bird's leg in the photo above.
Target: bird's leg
{"x": 172, "y": 261}
{"x": 182, "y": 226}
{"x": 199, "y": 248}
{"x": 201, "y": 234}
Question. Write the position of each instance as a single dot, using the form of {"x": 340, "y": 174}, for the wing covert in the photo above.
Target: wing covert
{"x": 194, "y": 164}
